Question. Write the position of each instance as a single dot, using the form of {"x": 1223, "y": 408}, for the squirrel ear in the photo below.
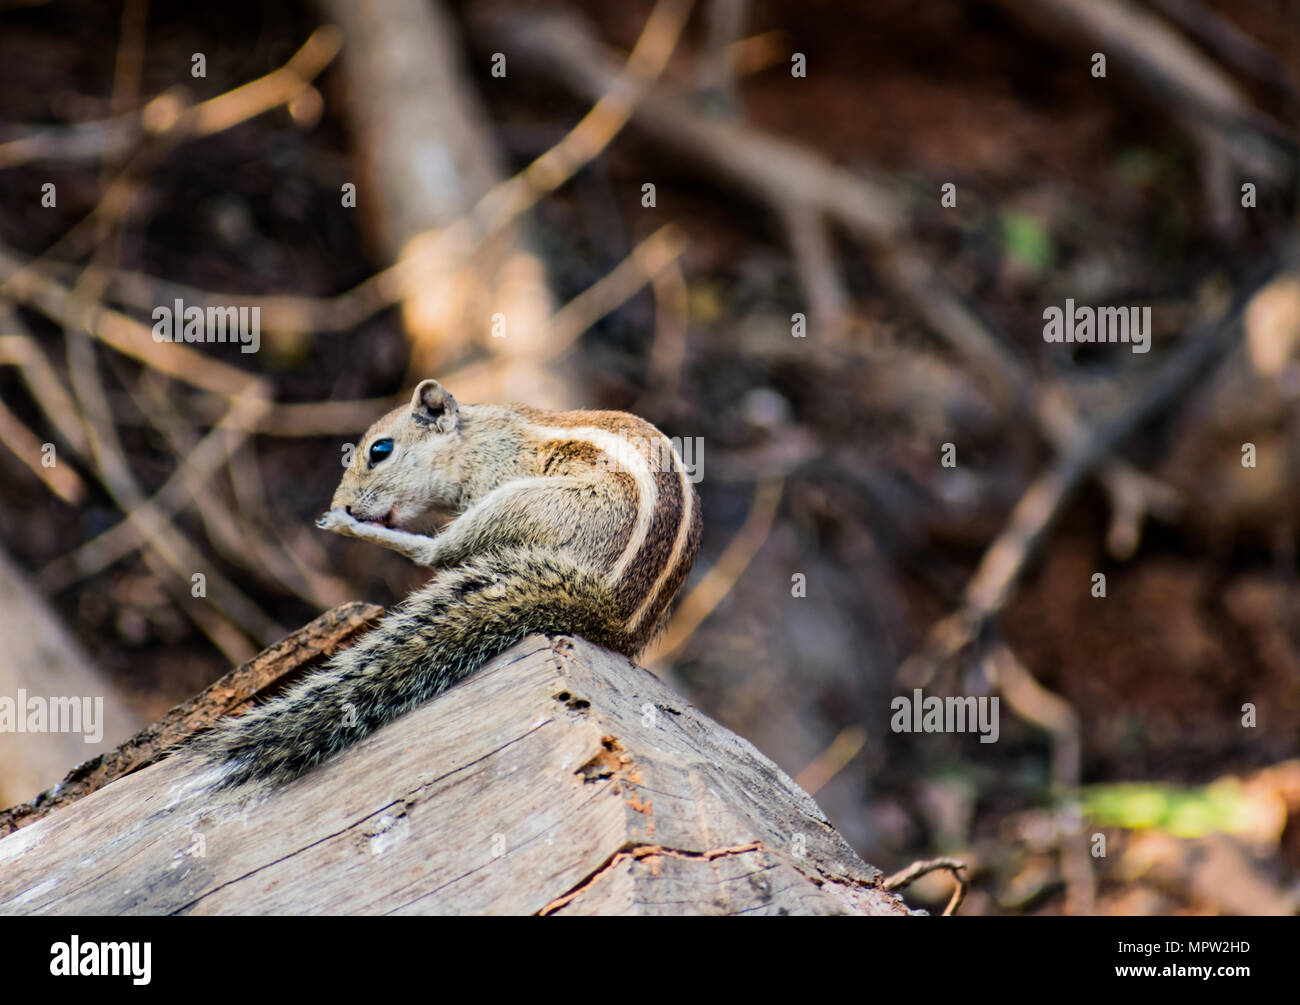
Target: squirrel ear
{"x": 433, "y": 405}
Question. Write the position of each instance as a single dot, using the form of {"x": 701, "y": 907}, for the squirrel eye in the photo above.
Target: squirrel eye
{"x": 379, "y": 450}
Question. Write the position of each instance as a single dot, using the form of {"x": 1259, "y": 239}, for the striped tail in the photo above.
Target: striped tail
{"x": 440, "y": 635}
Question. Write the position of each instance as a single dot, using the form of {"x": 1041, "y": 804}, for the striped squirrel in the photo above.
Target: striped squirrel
{"x": 580, "y": 523}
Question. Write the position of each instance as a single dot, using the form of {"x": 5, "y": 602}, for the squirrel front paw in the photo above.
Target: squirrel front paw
{"x": 338, "y": 520}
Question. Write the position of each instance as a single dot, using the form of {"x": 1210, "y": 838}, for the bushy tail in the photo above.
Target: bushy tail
{"x": 437, "y": 637}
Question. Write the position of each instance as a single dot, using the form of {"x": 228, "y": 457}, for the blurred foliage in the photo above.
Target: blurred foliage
{"x": 1027, "y": 240}
{"x": 1223, "y": 807}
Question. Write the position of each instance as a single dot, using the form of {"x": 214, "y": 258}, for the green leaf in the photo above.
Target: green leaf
{"x": 1027, "y": 240}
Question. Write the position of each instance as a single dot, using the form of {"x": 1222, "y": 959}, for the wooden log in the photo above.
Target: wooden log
{"x": 560, "y": 779}
{"x": 266, "y": 673}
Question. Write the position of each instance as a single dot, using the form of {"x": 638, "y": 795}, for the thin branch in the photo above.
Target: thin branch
{"x": 848, "y": 743}
{"x": 131, "y": 338}
{"x": 144, "y": 520}
{"x": 61, "y": 479}
{"x": 167, "y": 113}
{"x": 646, "y": 261}
{"x": 42, "y": 383}
{"x": 905, "y": 877}
{"x": 1035, "y": 704}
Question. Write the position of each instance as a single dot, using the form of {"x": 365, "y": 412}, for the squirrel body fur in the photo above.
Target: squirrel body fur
{"x": 581, "y": 523}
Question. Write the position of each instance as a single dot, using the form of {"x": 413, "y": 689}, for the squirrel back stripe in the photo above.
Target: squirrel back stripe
{"x": 685, "y": 544}
{"x": 622, "y": 454}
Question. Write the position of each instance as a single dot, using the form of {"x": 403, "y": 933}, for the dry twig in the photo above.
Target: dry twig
{"x": 905, "y": 877}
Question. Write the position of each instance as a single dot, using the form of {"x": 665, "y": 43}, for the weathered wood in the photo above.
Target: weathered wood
{"x": 561, "y": 779}
{"x": 268, "y": 671}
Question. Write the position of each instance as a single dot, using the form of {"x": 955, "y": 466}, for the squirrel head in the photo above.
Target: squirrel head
{"x": 406, "y": 470}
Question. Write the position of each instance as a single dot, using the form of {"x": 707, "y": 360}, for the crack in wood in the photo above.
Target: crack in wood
{"x": 639, "y": 852}
{"x": 513, "y": 850}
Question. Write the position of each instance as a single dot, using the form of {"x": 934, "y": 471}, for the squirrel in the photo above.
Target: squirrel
{"x": 575, "y": 523}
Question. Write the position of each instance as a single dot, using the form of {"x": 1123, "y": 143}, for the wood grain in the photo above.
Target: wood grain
{"x": 561, "y": 779}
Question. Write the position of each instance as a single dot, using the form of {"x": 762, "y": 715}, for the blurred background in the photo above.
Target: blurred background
{"x": 816, "y": 240}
